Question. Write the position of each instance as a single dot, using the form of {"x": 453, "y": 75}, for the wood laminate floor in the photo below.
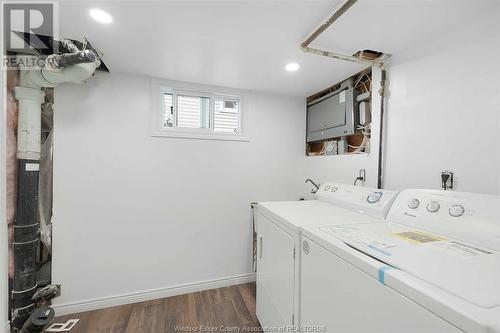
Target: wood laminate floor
{"x": 229, "y": 307}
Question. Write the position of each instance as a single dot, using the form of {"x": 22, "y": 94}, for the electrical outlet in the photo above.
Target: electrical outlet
{"x": 447, "y": 180}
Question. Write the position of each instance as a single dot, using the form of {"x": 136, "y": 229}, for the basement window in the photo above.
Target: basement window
{"x": 198, "y": 115}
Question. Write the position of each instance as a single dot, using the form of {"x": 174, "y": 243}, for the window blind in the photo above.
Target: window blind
{"x": 226, "y": 116}
{"x": 193, "y": 111}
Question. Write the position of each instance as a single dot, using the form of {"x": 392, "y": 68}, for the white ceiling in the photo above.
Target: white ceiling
{"x": 402, "y": 26}
{"x": 246, "y": 44}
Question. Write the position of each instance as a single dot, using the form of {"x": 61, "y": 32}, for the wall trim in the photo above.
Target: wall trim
{"x": 147, "y": 295}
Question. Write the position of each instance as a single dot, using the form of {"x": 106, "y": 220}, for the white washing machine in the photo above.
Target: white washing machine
{"x": 278, "y": 242}
{"x": 433, "y": 267}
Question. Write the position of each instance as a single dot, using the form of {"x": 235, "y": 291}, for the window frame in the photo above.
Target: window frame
{"x": 160, "y": 87}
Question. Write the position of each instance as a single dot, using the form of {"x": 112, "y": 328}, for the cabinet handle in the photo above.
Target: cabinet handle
{"x": 260, "y": 255}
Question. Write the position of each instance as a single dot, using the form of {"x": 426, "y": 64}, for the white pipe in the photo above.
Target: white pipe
{"x": 29, "y": 123}
{"x": 30, "y": 97}
{"x": 47, "y": 77}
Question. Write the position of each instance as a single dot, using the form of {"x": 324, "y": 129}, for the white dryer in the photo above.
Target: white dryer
{"x": 433, "y": 267}
{"x": 278, "y": 242}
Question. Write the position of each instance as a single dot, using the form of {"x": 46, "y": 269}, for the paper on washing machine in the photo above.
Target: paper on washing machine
{"x": 369, "y": 239}
{"x": 417, "y": 237}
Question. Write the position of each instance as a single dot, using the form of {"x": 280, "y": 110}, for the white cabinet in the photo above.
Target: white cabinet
{"x": 275, "y": 274}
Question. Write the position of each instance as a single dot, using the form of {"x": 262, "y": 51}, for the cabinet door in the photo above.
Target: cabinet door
{"x": 275, "y": 275}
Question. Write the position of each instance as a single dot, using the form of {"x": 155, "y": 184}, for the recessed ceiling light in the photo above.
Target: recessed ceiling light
{"x": 100, "y": 15}
{"x": 292, "y": 67}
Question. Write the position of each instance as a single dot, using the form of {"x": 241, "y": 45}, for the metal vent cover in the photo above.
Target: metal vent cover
{"x": 306, "y": 247}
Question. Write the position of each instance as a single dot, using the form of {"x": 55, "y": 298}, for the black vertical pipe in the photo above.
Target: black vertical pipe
{"x": 381, "y": 135}
{"x": 26, "y": 240}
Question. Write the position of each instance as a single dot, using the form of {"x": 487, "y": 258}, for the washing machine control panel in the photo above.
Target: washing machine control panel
{"x": 455, "y": 210}
{"x": 458, "y": 214}
{"x": 365, "y": 200}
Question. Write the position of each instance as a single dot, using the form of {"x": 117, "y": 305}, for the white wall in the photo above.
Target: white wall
{"x": 443, "y": 111}
{"x": 134, "y": 212}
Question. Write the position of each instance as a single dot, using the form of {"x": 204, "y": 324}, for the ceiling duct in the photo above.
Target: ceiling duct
{"x": 48, "y": 44}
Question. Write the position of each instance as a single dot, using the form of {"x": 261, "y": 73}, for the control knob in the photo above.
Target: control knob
{"x": 374, "y": 197}
{"x": 414, "y": 203}
{"x": 457, "y": 210}
{"x": 433, "y": 206}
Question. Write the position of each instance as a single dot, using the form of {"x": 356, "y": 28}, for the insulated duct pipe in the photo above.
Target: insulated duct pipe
{"x": 75, "y": 67}
{"x": 315, "y": 34}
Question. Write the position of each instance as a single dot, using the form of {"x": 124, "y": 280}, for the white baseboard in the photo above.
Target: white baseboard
{"x": 147, "y": 295}
{"x": 6, "y": 327}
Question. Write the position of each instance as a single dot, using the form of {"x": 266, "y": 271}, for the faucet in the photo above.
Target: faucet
{"x": 313, "y": 191}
